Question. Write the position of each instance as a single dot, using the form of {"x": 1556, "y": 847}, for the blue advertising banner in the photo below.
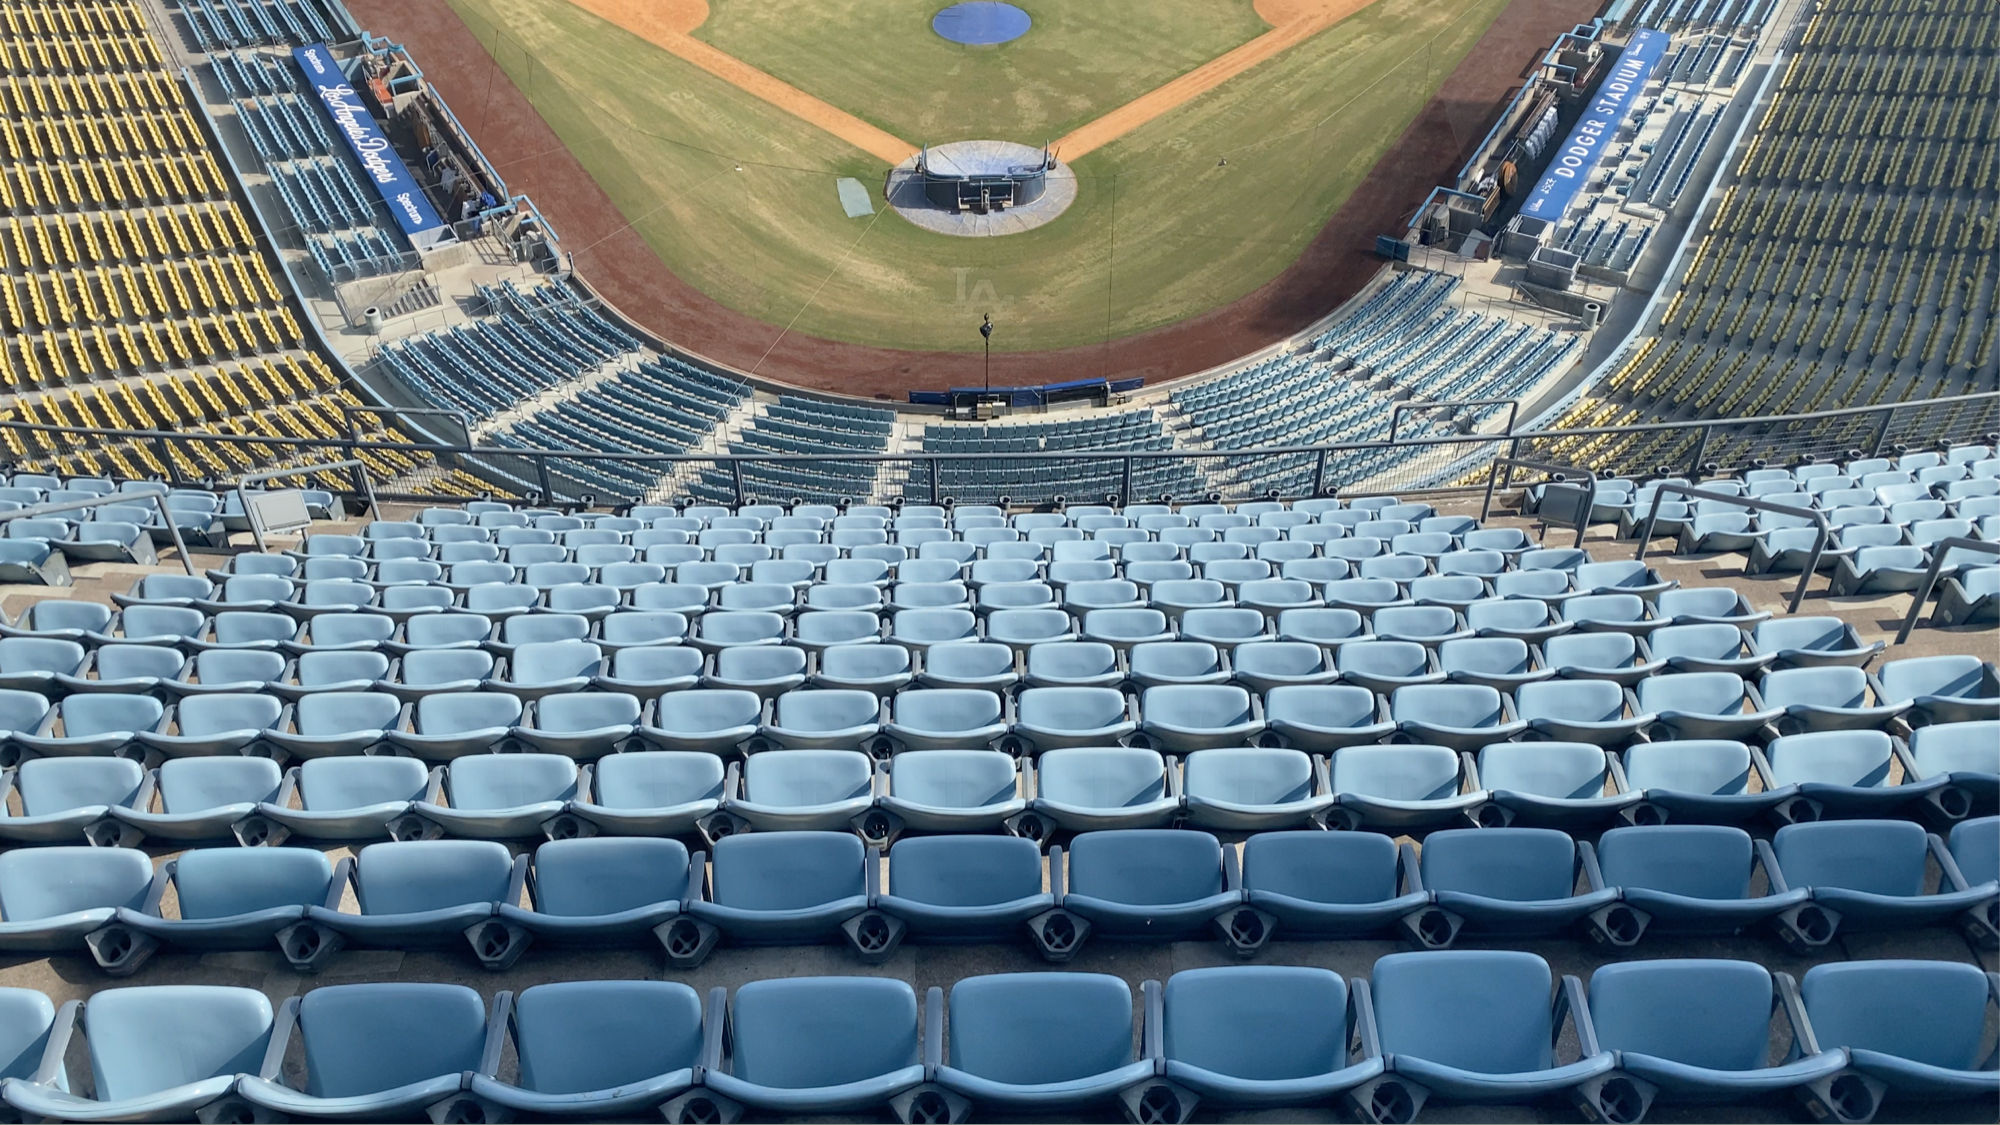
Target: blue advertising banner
{"x": 1615, "y": 96}
{"x": 391, "y": 177}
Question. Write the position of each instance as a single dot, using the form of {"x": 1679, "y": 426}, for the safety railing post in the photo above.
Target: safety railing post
{"x": 1940, "y": 551}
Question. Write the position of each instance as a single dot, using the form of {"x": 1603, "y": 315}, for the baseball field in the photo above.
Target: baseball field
{"x": 1211, "y": 140}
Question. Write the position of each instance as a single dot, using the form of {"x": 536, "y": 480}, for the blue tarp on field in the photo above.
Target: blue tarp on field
{"x": 1571, "y": 165}
{"x": 385, "y": 170}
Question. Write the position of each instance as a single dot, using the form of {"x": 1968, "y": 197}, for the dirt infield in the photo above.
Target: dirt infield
{"x": 1336, "y": 265}
{"x": 1292, "y": 22}
{"x": 667, "y": 26}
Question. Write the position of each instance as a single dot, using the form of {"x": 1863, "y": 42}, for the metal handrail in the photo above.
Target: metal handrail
{"x": 360, "y": 472}
{"x": 157, "y": 496}
{"x": 1939, "y": 552}
{"x": 1557, "y": 471}
{"x": 1820, "y": 539}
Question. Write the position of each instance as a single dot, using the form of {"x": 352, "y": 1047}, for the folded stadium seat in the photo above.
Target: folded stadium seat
{"x": 1047, "y": 718}
{"x": 1123, "y": 628}
{"x": 499, "y": 796}
{"x": 820, "y": 630}
{"x": 1453, "y": 590}
{"x": 670, "y": 597}
{"x": 234, "y": 899}
{"x": 203, "y": 798}
{"x": 1839, "y": 773}
{"x": 1703, "y": 705}
{"x": 650, "y": 671}
{"x": 1625, "y": 613}
{"x": 1471, "y": 564}
{"x": 1970, "y": 598}
{"x": 844, "y": 720}
{"x": 1707, "y": 648}
{"x": 715, "y": 721}
{"x": 781, "y": 1059}
{"x": 364, "y": 632}
{"x": 1429, "y": 625}
{"x": 392, "y": 574}
{"x": 1323, "y": 717}
{"x": 767, "y": 670}
{"x": 1967, "y": 755}
{"x": 719, "y": 630}
{"x": 582, "y": 724}
{"x": 1315, "y": 569}
{"x": 1068, "y": 568}
{"x": 1525, "y": 619}
{"x": 1088, "y": 788}
{"x": 379, "y": 1051}
{"x": 1064, "y": 664}
{"x": 1179, "y": 718}
{"x": 796, "y": 790}
{"x": 965, "y": 888}
{"x": 607, "y": 891}
{"x": 849, "y": 596}
{"x": 1427, "y": 544}
{"x": 1940, "y": 689}
{"x": 1589, "y": 711}
{"x": 1544, "y": 585}
{"x": 465, "y": 576}
{"x": 920, "y": 629}
{"x": 1400, "y": 569}
{"x": 1175, "y": 596}
{"x": 1402, "y": 788}
{"x": 636, "y": 628}
{"x": 1251, "y": 1037}
{"x": 68, "y": 620}
{"x": 1382, "y": 666}
{"x": 946, "y": 791}
{"x": 1364, "y": 595}
{"x": 1083, "y": 598}
{"x": 316, "y": 673}
{"x": 456, "y": 724}
{"x": 1510, "y": 541}
{"x": 1975, "y": 848}
{"x": 351, "y": 798}
{"x": 500, "y": 601}
{"x": 1500, "y": 882}
{"x": 595, "y": 1048}
{"x": 1879, "y": 570}
{"x": 1020, "y": 628}
{"x": 1468, "y": 1025}
{"x": 590, "y": 602}
{"x": 66, "y": 899}
{"x": 757, "y": 597}
{"x": 166, "y": 589}
{"x": 984, "y": 665}
{"x": 179, "y": 626}
{"x": 1834, "y": 697}
{"x": 1460, "y": 716}
{"x": 1812, "y": 642}
{"x": 783, "y": 888}
{"x": 1273, "y": 596}
{"x": 227, "y": 670}
{"x": 225, "y": 723}
{"x": 1253, "y": 789}
{"x": 1270, "y": 664}
{"x": 1228, "y": 566}
{"x": 1712, "y": 532}
{"x": 907, "y": 595}
{"x": 1139, "y": 884}
{"x": 1621, "y": 658}
{"x": 1325, "y": 627}
{"x": 241, "y": 592}
{"x": 124, "y": 669}
{"x": 1310, "y": 885}
{"x": 1622, "y": 576}
{"x": 33, "y": 562}
{"x": 885, "y": 669}
{"x": 1912, "y": 1031}
{"x": 1696, "y": 1031}
{"x": 316, "y": 596}
{"x": 420, "y": 894}
{"x": 1080, "y": 1052}
{"x": 1680, "y": 879}
{"x": 1868, "y": 875}
{"x": 441, "y": 631}
{"x": 68, "y": 800}
{"x": 430, "y": 671}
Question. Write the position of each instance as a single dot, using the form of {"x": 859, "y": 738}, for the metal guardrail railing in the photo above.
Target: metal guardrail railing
{"x": 1822, "y": 535}
{"x": 366, "y": 488}
{"x": 157, "y": 498}
{"x": 1560, "y": 477}
{"x": 1940, "y": 551}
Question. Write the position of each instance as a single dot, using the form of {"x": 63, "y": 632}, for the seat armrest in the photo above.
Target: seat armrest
{"x": 1950, "y": 878}
{"x": 1322, "y": 775}
{"x": 157, "y": 889}
{"x": 1768, "y": 859}
{"x": 289, "y": 787}
{"x": 1616, "y": 769}
{"x": 50, "y": 1070}
{"x": 714, "y": 1030}
{"x": 1232, "y": 870}
{"x": 1028, "y": 790}
{"x": 1804, "y": 1040}
{"x": 1408, "y": 867}
{"x": 1469, "y": 766}
{"x": 517, "y": 880}
{"x": 871, "y": 874}
{"x": 1762, "y": 766}
{"x": 697, "y": 879}
{"x": 1152, "y": 1026}
{"x": 497, "y": 1026}
{"x": 1571, "y": 1003}
{"x": 1586, "y": 857}
{"x": 282, "y": 1026}
{"x": 933, "y": 1032}
{"x": 434, "y": 786}
{"x": 1057, "y": 880}
{"x": 1361, "y": 1015}
{"x": 336, "y": 888}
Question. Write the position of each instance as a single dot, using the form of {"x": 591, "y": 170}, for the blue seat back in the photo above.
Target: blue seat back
{"x": 505, "y": 781}
{"x": 1037, "y": 1028}
{"x": 575, "y": 1037}
{"x": 194, "y": 784}
{"x": 965, "y": 871}
{"x": 1329, "y": 867}
{"x": 1884, "y": 857}
{"x": 353, "y": 782}
{"x": 1486, "y": 1011}
{"x": 1257, "y": 1022}
{"x": 657, "y": 779}
{"x": 223, "y": 882}
{"x": 1145, "y": 866}
{"x": 25, "y": 1016}
{"x": 45, "y": 882}
{"x": 362, "y": 1039}
{"x": 1516, "y": 864}
{"x": 787, "y": 870}
{"x": 53, "y": 785}
{"x": 959, "y": 779}
{"x": 1699, "y": 1012}
{"x": 1697, "y": 860}
{"x": 1564, "y": 770}
{"x": 1397, "y": 773}
{"x": 608, "y": 874}
{"x": 812, "y": 1032}
{"x": 410, "y": 877}
{"x": 150, "y": 1039}
{"x": 1930, "y": 1012}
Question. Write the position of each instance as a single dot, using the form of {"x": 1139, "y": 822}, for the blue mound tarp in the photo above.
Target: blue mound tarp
{"x": 981, "y": 23}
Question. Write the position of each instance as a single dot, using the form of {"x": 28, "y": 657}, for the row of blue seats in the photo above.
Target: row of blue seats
{"x": 1808, "y": 885}
{"x": 1455, "y": 1026}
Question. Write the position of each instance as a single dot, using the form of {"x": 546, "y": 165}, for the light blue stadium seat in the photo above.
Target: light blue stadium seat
{"x": 1571, "y": 785}
{"x": 1578, "y": 710}
{"x": 502, "y": 796}
{"x": 1400, "y": 787}
{"x": 777, "y": 888}
{"x": 1811, "y": 642}
{"x": 814, "y": 1045}
{"x": 1123, "y": 628}
{"x": 1707, "y": 648}
{"x": 1911, "y": 1030}
{"x": 985, "y": 665}
{"x": 767, "y": 670}
{"x": 584, "y": 725}
{"x": 1179, "y": 718}
{"x": 1967, "y": 755}
{"x": 424, "y": 894}
{"x": 1466, "y": 1025}
{"x": 1048, "y": 718}
{"x": 796, "y": 790}
{"x": 604, "y": 891}
{"x": 236, "y": 898}
{"x": 1040, "y": 1042}
{"x": 1271, "y": 664}
{"x": 124, "y": 669}
{"x": 1461, "y": 716}
{"x": 1139, "y": 884}
{"x": 218, "y": 1033}
{"x": 1680, "y": 879}
{"x": 1699, "y": 605}
{"x": 825, "y": 720}
{"x": 1941, "y": 689}
{"x": 61, "y": 899}
{"x": 1315, "y": 885}
{"x": 423, "y": 672}
{"x": 1696, "y": 1031}
{"x": 882, "y": 669}
{"x": 710, "y": 720}
{"x": 1867, "y": 875}
{"x": 540, "y": 668}
{"x": 69, "y": 800}
{"x": 1839, "y": 773}
{"x": 204, "y": 798}
{"x": 651, "y": 793}
{"x": 597, "y": 1048}
{"x": 455, "y": 724}
{"x": 1385, "y": 665}
{"x": 1703, "y": 705}
{"x": 650, "y": 671}
{"x": 36, "y": 663}
{"x": 378, "y": 1051}
{"x": 945, "y": 719}
{"x": 224, "y": 723}
{"x": 1500, "y": 882}
{"x": 349, "y": 798}
{"x": 1327, "y": 627}
{"x": 965, "y": 888}
{"x": 1089, "y": 788}
{"x": 1527, "y": 619}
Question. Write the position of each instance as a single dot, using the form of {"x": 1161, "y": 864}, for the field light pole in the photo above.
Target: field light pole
{"x": 986, "y": 334}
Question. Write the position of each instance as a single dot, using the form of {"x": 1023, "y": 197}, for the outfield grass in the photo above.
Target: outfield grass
{"x": 1161, "y": 230}
{"x": 880, "y": 60}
